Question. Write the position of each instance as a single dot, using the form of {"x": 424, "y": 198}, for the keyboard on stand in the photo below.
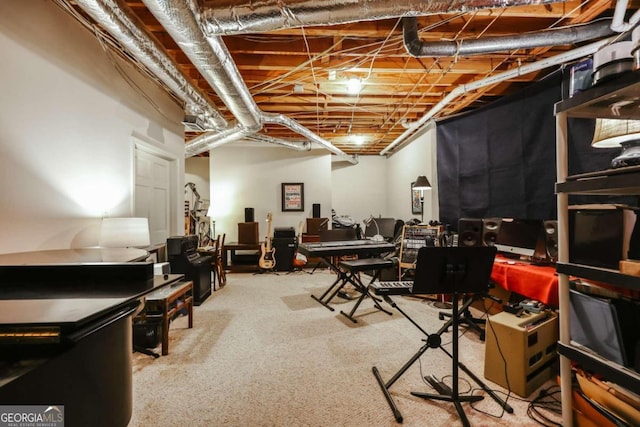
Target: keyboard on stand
{"x": 398, "y": 287}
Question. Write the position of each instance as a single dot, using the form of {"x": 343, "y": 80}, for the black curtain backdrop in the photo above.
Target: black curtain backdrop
{"x": 500, "y": 161}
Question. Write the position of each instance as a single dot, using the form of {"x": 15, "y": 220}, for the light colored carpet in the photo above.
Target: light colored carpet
{"x": 262, "y": 352}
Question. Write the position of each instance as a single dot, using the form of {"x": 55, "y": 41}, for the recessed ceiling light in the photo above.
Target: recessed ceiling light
{"x": 358, "y": 139}
{"x": 354, "y": 85}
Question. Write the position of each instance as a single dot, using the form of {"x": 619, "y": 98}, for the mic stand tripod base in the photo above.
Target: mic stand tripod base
{"x": 456, "y": 401}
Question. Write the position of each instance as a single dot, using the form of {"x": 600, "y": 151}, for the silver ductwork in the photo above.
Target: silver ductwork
{"x": 210, "y": 140}
{"x": 294, "y": 145}
{"x": 552, "y": 37}
{"x": 269, "y": 15}
{"x": 210, "y": 57}
{"x": 561, "y": 58}
{"x": 281, "y": 119}
{"x": 117, "y": 19}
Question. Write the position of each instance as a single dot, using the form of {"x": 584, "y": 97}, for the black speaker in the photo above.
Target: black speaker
{"x": 248, "y": 215}
{"x": 551, "y": 239}
{"x": 470, "y": 232}
{"x": 490, "y": 229}
{"x": 316, "y": 210}
{"x": 285, "y": 248}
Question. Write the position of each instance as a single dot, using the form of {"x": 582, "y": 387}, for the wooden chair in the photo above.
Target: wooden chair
{"x": 222, "y": 276}
{"x": 215, "y": 254}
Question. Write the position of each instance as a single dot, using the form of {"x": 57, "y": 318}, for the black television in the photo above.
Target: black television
{"x": 384, "y": 227}
{"x": 600, "y": 235}
{"x": 520, "y": 237}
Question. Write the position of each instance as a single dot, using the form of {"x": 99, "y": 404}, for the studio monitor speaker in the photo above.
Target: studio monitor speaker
{"x": 490, "y": 229}
{"x": 316, "y": 210}
{"x": 470, "y": 232}
{"x": 551, "y": 238}
{"x": 249, "y": 215}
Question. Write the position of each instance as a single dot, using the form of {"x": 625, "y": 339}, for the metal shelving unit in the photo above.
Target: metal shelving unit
{"x": 619, "y": 98}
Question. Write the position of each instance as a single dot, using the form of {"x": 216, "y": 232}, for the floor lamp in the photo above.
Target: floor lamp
{"x": 421, "y": 184}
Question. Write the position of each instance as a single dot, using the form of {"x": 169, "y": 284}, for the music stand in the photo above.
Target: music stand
{"x": 452, "y": 270}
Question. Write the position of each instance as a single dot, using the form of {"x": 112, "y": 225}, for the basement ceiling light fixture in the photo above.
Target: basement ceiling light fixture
{"x": 358, "y": 139}
{"x": 354, "y": 86}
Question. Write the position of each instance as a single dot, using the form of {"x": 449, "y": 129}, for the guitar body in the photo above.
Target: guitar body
{"x": 299, "y": 260}
{"x": 267, "y": 259}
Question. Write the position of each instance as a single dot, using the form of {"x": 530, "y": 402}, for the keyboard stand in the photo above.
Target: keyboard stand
{"x": 353, "y": 269}
{"x": 433, "y": 341}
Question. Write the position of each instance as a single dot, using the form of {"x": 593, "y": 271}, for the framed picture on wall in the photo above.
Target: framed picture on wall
{"x": 416, "y": 206}
{"x": 292, "y": 196}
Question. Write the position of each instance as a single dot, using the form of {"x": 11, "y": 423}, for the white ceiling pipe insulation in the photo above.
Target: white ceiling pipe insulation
{"x": 269, "y": 15}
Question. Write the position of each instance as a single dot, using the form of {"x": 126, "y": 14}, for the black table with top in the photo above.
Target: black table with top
{"x": 330, "y": 254}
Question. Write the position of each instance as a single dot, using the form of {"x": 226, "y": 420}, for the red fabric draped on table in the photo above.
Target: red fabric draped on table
{"x": 531, "y": 281}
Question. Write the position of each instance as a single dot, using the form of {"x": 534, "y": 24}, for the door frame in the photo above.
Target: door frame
{"x": 176, "y": 174}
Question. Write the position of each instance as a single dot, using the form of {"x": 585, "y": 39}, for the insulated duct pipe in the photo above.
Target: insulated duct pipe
{"x": 294, "y": 145}
{"x": 209, "y": 56}
{"x": 283, "y": 120}
{"x": 116, "y": 18}
{"x": 252, "y": 16}
{"x": 552, "y": 37}
{"x": 211, "y": 140}
{"x": 562, "y": 58}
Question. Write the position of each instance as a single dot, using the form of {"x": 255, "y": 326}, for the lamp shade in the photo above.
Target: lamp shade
{"x": 613, "y": 132}
{"x": 124, "y": 232}
{"x": 422, "y": 183}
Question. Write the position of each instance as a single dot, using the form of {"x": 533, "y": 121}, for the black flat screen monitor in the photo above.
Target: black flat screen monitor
{"x": 598, "y": 237}
{"x": 383, "y": 226}
{"x": 519, "y": 236}
{"x": 594, "y": 325}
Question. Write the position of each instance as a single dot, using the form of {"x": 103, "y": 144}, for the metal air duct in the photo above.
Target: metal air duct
{"x": 562, "y": 58}
{"x": 294, "y": 145}
{"x": 209, "y": 56}
{"x": 269, "y": 15}
{"x": 117, "y": 19}
{"x": 552, "y": 37}
{"x": 210, "y": 140}
{"x": 288, "y": 122}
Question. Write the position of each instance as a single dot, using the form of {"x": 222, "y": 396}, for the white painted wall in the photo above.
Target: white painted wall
{"x": 403, "y": 167}
{"x": 251, "y": 177}
{"x": 67, "y": 121}
{"x": 360, "y": 190}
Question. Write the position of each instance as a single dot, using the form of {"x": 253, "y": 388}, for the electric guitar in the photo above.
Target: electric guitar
{"x": 267, "y": 260}
{"x": 299, "y": 260}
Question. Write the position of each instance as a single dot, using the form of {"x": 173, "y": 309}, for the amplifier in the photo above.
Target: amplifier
{"x": 279, "y": 232}
{"x": 528, "y": 344}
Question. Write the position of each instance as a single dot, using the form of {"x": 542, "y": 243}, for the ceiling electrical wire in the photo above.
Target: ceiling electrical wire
{"x": 111, "y": 46}
{"x": 313, "y": 75}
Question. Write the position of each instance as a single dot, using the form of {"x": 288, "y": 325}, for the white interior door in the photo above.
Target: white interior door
{"x": 152, "y": 193}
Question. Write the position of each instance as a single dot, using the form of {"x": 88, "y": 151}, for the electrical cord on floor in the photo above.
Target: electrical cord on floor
{"x": 548, "y": 401}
